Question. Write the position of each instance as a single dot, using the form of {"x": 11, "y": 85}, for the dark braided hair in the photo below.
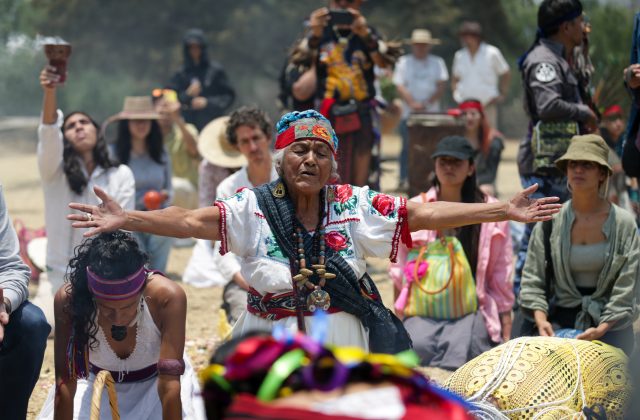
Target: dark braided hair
{"x": 469, "y": 236}
{"x": 111, "y": 255}
{"x": 71, "y": 162}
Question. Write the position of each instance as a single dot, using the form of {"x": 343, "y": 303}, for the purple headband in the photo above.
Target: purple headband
{"x": 121, "y": 289}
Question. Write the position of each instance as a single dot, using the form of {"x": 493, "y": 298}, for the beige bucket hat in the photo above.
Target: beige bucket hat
{"x": 589, "y": 147}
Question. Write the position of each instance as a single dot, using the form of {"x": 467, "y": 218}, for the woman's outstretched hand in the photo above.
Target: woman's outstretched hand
{"x": 521, "y": 208}
{"x": 106, "y": 217}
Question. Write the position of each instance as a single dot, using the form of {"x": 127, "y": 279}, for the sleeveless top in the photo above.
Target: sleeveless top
{"x": 145, "y": 353}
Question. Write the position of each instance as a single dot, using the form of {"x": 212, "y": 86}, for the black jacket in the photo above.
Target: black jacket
{"x": 215, "y": 85}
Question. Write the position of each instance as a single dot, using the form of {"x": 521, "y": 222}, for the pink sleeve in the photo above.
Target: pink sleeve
{"x": 499, "y": 284}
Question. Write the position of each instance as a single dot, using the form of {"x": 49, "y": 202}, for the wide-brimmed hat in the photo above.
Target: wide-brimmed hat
{"x": 134, "y": 108}
{"x": 138, "y": 108}
{"x": 589, "y": 147}
{"x": 422, "y": 36}
{"x": 214, "y": 145}
{"x": 454, "y": 146}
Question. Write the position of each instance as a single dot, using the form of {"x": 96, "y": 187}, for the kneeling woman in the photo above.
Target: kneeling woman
{"x": 455, "y": 284}
{"x": 115, "y": 315}
{"x": 593, "y": 248}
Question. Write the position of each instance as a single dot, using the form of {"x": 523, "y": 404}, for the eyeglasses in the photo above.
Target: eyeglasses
{"x": 587, "y": 165}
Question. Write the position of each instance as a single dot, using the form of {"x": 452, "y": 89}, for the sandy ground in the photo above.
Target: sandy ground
{"x": 19, "y": 177}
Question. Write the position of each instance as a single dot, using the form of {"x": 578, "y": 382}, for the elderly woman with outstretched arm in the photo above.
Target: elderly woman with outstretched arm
{"x": 304, "y": 240}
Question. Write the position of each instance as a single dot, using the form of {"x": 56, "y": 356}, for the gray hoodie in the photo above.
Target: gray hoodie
{"x": 14, "y": 274}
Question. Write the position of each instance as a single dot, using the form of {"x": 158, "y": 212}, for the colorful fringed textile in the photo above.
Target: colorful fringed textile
{"x": 77, "y": 359}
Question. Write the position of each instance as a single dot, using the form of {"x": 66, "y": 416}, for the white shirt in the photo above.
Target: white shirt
{"x": 359, "y": 223}
{"x": 230, "y": 264}
{"x": 420, "y": 77}
{"x": 118, "y": 182}
{"x": 478, "y": 75}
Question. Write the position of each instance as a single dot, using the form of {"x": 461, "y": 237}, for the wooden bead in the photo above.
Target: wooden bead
{"x": 318, "y": 266}
{"x": 329, "y": 276}
{"x": 321, "y": 271}
{"x": 299, "y": 277}
{"x": 306, "y": 272}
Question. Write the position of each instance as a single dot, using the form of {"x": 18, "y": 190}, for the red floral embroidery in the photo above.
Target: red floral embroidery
{"x": 343, "y": 193}
{"x": 336, "y": 241}
{"x": 385, "y": 204}
{"x": 321, "y": 132}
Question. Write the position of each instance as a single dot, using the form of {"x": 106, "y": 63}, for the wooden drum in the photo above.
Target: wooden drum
{"x": 425, "y": 131}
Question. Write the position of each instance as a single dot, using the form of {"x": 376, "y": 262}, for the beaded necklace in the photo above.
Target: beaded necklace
{"x": 317, "y": 298}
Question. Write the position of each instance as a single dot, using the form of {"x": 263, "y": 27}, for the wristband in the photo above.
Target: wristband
{"x": 172, "y": 367}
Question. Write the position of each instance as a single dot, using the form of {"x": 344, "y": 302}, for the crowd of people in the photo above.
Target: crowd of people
{"x": 286, "y": 215}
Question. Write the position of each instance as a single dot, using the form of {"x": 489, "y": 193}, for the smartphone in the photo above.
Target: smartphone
{"x": 58, "y": 54}
{"x": 340, "y": 17}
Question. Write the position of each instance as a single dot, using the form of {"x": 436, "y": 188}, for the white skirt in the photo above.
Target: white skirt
{"x": 343, "y": 329}
{"x": 136, "y": 400}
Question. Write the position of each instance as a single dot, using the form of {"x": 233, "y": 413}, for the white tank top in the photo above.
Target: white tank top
{"x": 145, "y": 353}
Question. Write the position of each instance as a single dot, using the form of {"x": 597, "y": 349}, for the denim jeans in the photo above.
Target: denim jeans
{"x": 157, "y": 247}
{"x": 21, "y": 354}
{"x": 548, "y": 186}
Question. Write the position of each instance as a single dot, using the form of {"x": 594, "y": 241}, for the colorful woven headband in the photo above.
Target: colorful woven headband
{"x": 472, "y": 105}
{"x": 121, "y": 289}
{"x": 305, "y": 125}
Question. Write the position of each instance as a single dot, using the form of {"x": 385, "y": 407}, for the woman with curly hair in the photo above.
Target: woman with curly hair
{"x": 115, "y": 315}
{"x": 72, "y": 158}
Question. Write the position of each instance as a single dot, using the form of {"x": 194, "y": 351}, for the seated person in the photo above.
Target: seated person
{"x": 593, "y": 248}
{"x": 23, "y": 327}
{"x": 454, "y": 313}
{"x": 115, "y": 315}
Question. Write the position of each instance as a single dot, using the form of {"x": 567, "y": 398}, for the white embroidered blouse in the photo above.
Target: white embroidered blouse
{"x": 359, "y": 223}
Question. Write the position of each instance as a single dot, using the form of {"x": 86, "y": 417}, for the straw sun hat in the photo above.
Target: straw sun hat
{"x": 134, "y": 108}
{"x": 214, "y": 145}
{"x": 422, "y": 36}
